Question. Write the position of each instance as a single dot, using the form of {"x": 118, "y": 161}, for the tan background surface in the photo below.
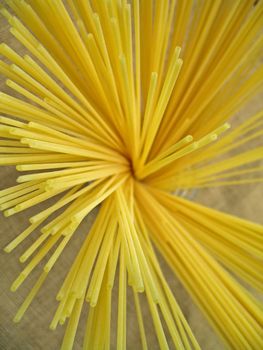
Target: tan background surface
{"x": 33, "y": 332}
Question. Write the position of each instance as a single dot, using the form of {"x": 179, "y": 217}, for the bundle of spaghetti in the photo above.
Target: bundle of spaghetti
{"x": 117, "y": 105}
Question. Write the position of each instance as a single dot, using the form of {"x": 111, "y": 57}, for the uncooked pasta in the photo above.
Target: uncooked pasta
{"x": 116, "y": 105}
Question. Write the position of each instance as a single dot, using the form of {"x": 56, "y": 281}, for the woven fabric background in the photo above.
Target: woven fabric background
{"x": 32, "y": 333}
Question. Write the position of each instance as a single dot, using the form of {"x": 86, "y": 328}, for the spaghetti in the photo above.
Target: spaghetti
{"x": 120, "y": 104}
